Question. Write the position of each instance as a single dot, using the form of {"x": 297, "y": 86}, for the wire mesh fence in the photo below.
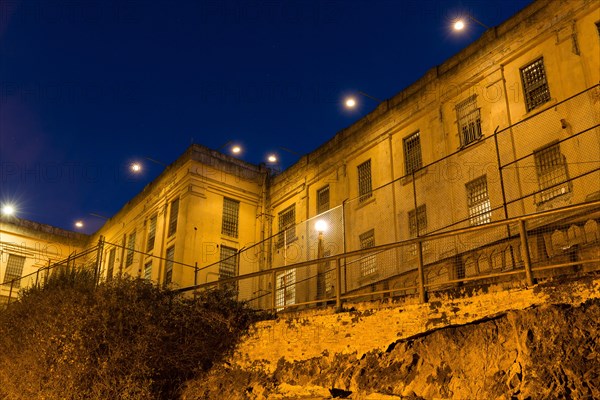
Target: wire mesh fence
{"x": 545, "y": 162}
{"x": 12, "y": 286}
{"x": 548, "y": 243}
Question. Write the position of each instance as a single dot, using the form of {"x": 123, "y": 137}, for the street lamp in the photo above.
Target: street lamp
{"x": 79, "y": 224}
{"x": 460, "y": 24}
{"x": 351, "y": 101}
{"x": 321, "y": 227}
{"x": 234, "y": 147}
{"x": 135, "y": 167}
{"x": 8, "y": 209}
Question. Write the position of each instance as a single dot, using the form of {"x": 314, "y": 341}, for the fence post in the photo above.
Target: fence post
{"x": 525, "y": 253}
{"x": 421, "y": 275}
{"x": 338, "y": 285}
{"x": 99, "y": 259}
{"x": 10, "y": 292}
{"x": 273, "y": 291}
{"x": 195, "y": 279}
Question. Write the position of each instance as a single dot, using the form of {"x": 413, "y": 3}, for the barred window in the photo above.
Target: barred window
{"x": 329, "y": 272}
{"x": 535, "y": 85}
{"x": 169, "y": 265}
{"x": 412, "y": 153}
{"x": 14, "y": 270}
{"x": 417, "y": 221}
{"x": 286, "y": 288}
{"x": 173, "y": 217}
{"x": 323, "y": 199}
{"x": 231, "y": 211}
{"x": 110, "y": 268}
{"x": 130, "y": 249}
{"x": 469, "y": 121}
{"x": 151, "y": 234}
{"x": 365, "y": 189}
{"x": 228, "y": 264}
{"x": 478, "y": 201}
{"x": 287, "y": 226}
{"x": 552, "y": 176}
{"x": 367, "y": 262}
{"x": 148, "y": 270}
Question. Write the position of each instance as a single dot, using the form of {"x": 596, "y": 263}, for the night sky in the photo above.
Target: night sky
{"x": 87, "y": 87}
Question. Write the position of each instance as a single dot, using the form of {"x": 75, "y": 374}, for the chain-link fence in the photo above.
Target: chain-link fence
{"x": 87, "y": 259}
{"x": 524, "y": 249}
{"x": 545, "y": 162}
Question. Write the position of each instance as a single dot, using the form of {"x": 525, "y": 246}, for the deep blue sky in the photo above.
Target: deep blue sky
{"x": 88, "y": 86}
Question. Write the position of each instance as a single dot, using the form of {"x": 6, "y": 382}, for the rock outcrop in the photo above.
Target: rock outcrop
{"x": 543, "y": 352}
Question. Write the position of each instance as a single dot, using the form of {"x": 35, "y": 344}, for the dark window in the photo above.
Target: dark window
{"x": 151, "y": 234}
{"x": 173, "y": 217}
{"x": 322, "y": 200}
{"x": 552, "y": 176}
{"x": 535, "y": 85}
{"x": 412, "y": 153}
{"x": 478, "y": 201}
{"x": 148, "y": 270}
{"x": 367, "y": 262}
{"x": 365, "y": 189}
{"x": 130, "y": 249}
{"x": 287, "y": 226}
{"x": 286, "y": 288}
{"x": 231, "y": 210}
{"x": 228, "y": 264}
{"x": 169, "y": 265}
{"x": 110, "y": 268}
{"x": 417, "y": 221}
{"x": 14, "y": 270}
{"x": 469, "y": 121}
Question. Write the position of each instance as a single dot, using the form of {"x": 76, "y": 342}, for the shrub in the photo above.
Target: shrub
{"x": 124, "y": 339}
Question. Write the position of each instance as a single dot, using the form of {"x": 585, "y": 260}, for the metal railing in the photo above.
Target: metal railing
{"x": 89, "y": 258}
{"x": 419, "y": 277}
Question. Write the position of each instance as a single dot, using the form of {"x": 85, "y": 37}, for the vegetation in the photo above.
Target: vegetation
{"x": 124, "y": 339}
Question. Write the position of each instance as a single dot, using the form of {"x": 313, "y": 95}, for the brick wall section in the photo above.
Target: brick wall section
{"x": 370, "y": 326}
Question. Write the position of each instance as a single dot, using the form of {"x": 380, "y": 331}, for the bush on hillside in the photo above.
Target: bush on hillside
{"x": 124, "y": 339}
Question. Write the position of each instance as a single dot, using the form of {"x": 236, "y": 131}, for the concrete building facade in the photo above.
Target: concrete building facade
{"x": 507, "y": 127}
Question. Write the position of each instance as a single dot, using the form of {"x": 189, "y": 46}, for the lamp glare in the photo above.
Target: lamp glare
{"x": 321, "y": 226}
{"x": 351, "y": 102}
{"x": 136, "y": 167}
{"x": 459, "y": 25}
{"x": 272, "y": 158}
{"x": 8, "y": 209}
{"x": 236, "y": 149}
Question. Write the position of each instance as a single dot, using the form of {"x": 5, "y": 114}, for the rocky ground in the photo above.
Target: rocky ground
{"x": 545, "y": 352}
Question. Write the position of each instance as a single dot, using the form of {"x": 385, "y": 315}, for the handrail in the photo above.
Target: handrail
{"x": 393, "y": 245}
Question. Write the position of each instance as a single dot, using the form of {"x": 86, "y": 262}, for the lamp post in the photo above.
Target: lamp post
{"x": 459, "y": 24}
{"x": 351, "y": 102}
{"x": 321, "y": 227}
{"x": 235, "y": 147}
{"x": 137, "y": 167}
{"x": 8, "y": 210}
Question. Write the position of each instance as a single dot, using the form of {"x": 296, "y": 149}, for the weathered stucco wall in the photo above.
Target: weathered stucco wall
{"x": 374, "y": 326}
{"x": 502, "y": 344}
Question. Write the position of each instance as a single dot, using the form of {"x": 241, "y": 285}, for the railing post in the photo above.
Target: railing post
{"x": 195, "y": 279}
{"x": 421, "y": 274}
{"x": 273, "y": 291}
{"x": 99, "y": 253}
{"x": 525, "y": 253}
{"x": 338, "y": 285}
{"x": 10, "y": 292}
